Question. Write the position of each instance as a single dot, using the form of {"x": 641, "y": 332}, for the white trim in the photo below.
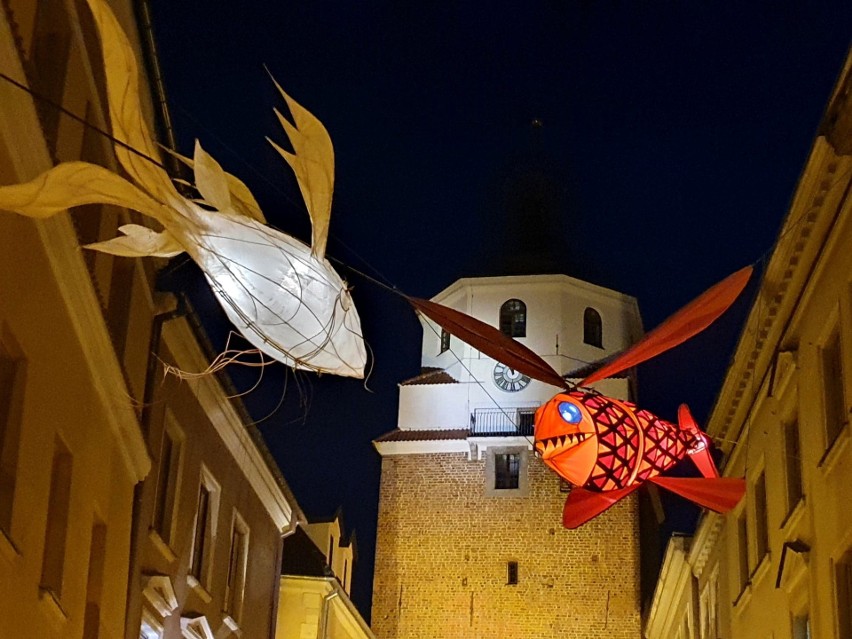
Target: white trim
{"x": 387, "y": 449}
{"x": 158, "y": 591}
{"x": 196, "y": 628}
{"x": 183, "y": 345}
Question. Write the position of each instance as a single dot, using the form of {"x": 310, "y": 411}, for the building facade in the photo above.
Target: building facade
{"x": 129, "y": 506}
{"x": 780, "y": 565}
{"x": 316, "y": 577}
{"x": 470, "y": 538}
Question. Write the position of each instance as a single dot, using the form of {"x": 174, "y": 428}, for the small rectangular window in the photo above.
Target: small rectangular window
{"x": 12, "y": 379}
{"x": 167, "y": 481}
{"x": 802, "y": 627}
{"x": 512, "y": 573}
{"x": 742, "y": 550}
{"x": 237, "y": 565}
{"x": 95, "y": 581}
{"x": 832, "y": 383}
{"x": 206, "y": 512}
{"x": 761, "y": 521}
{"x": 792, "y": 463}
{"x": 445, "y": 340}
{"x": 56, "y": 532}
{"x": 843, "y": 595}
{"x": 507, "y": 471}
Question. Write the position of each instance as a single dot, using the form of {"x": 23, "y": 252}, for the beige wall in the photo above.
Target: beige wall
{"x": 317, "y": 608}
{"x": 443, "y": 548}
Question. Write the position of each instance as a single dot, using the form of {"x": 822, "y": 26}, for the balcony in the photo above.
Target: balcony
{"x": 503, "y": 422}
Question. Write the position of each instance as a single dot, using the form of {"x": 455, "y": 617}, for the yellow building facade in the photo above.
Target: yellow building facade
{"x": 130, "y": 506}
{"x": 780, "y": 565}
{"x": 316, "y": 576}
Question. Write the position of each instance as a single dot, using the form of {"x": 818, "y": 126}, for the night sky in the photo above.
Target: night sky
{"x": 671, "y": 139}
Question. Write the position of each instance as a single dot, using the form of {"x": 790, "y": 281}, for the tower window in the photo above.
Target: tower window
{"x": 445, "y": 340}
{"x": 592, "y": 328}
{"x": 513, "y": 318}
{"x": 507, "y": 471}
{"x": 512, "y": 573}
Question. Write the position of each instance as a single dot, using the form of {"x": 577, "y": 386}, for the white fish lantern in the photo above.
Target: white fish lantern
{"x": 282, "y": 295}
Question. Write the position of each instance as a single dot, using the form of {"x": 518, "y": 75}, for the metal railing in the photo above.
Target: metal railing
{"x": 495, "y": 422}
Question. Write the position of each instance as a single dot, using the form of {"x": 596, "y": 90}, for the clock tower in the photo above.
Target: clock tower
{"x": 470, "y": 540}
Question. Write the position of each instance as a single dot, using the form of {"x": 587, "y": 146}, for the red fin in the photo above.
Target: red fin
{"x": 720, "y": 494}
{"x": 688, "y": 321}
{"x": 583, "y": 505}
{"x": 700, "y": 455}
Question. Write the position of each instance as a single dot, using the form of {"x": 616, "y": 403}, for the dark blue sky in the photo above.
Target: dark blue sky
{"x": 675, "y": 131}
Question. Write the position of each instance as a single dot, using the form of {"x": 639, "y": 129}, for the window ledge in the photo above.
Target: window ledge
{"x": 233, "y": 626}
{"x": 162, "y": 547}
{"x": 762, "y": 569}
{"x": 794, "y": 516}
{"x": 51, "y": 600}
{"x": 835, "y": 450}
{"x": 743, "y": 598}
{"x": 8, "y": 550}
{"x": 198, "y": 589}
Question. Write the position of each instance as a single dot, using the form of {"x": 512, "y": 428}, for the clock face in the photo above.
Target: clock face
{"x": 509, "y": 379}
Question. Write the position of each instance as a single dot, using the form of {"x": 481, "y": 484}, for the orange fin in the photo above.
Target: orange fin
{"x": 700, "y": 453}
{"x": 583, "y": 505}
{"x": 719, "y": 494}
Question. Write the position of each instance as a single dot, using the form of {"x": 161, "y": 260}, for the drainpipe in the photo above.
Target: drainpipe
{"x": 323, "y": 629}
{"x": 161, "y": 316}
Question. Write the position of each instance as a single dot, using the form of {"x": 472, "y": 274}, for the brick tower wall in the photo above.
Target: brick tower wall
{"x": 443, "y": 547}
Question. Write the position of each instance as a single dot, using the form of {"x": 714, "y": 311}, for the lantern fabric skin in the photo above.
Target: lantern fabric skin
{"x": 282, "y": 295}
{"x": 607, "y": 448}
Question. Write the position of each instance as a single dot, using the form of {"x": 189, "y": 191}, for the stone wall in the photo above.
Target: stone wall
{"x": 443, "y": 548}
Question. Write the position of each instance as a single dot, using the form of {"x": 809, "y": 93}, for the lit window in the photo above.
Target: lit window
{"x": 237, "y": 564}
{"x": 592, "y": 328}
{"x": 832, "y": 384}
{"x": 12, "y": 378}
{"x": 445, "y": 340}
{"x": 507, "y": 469}
{"x": 513, "y": 318}
{"x": 56, "y": 532}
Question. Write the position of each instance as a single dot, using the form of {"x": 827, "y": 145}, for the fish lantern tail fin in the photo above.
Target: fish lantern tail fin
{"x": 583, "y": 505}
{"x": 699, "y": 451}
{"x": 719, "y": 494}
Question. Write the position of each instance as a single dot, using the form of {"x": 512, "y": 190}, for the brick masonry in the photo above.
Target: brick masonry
{"x": 443, "y": 547}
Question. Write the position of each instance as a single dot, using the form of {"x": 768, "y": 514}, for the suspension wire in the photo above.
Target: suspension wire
{"x": 82, "y": 121}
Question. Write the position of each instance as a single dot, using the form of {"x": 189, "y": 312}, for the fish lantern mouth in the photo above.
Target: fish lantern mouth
{"x": 562, "y": 426}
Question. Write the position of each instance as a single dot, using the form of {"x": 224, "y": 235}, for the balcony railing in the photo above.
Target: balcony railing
{"x": 496, "y": 422}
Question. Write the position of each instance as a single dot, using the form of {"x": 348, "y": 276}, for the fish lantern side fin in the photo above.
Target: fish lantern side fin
{"x": 584, "y": 505}
{"x": 686, "y": 323}
{"x": 719, "y": 494}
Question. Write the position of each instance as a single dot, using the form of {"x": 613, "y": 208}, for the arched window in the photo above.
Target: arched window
{"x": 592, "y": 328}
{"x": 513, "y": 318}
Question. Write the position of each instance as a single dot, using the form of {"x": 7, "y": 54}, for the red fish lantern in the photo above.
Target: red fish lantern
{"x": 605, "y": 447}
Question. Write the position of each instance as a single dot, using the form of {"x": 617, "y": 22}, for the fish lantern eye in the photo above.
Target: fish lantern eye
{"x": 570, "y": 413}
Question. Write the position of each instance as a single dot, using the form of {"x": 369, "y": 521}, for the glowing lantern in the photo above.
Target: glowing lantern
{"x": 607, "y": 447}
{"x": 283, "y": 296}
